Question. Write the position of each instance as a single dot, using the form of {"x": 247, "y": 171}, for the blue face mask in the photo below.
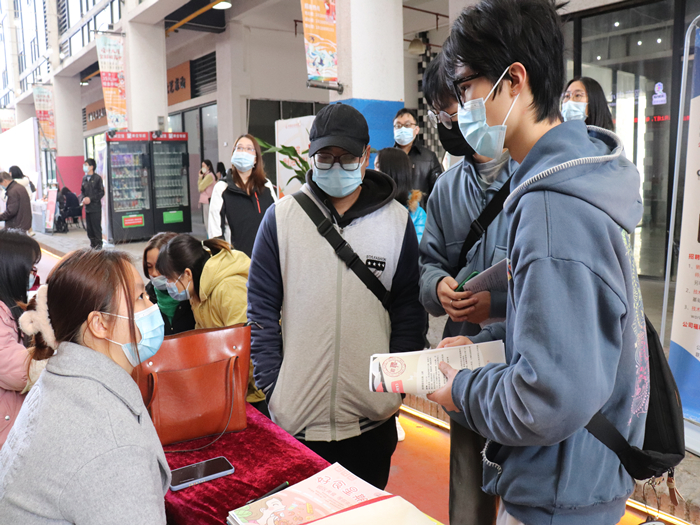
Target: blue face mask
{"x": 338, "y": 182}
{"x": 160, "y": 282}
{"x": 32, "y": 279}
{"x": 572, "y": 110}
{"x": 150, "y": 324}
{"x": 243, "y": 161}
{"x": 484, "y": 139}
{"x": 403, "y": 136}
{"x": 86, "y": 169}
{"x": 175, "y": 293}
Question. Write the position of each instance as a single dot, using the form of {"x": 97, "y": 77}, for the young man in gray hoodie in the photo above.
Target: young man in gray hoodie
{"x": 574, "y": 331}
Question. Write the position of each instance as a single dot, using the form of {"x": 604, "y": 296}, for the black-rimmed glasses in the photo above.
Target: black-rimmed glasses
{"x": 442, "y": 117}
{"x": 457, "y": 86}
{"x": 325, "y": 161}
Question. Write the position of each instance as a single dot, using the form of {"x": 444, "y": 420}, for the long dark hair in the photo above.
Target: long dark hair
{"x": 184, "y": 251}
{"x": 220, "y": 170}
{"x": 156, "y": 243}
{"x": 18, "y": 255}
{"x": 211, "y": 168}
{"x": 395, "y": 163}
{"x": 257, "y": 178}
{"x": 598, "y": 110}
{"x": 16, "y": 172}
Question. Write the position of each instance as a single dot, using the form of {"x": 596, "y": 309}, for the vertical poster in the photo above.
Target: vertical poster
{"x": 320, "y": 41}
{"x": 684, "y": 357}
{"x": 43, "y": 103}
{"x": 292, "y": 132}
{"x": 110, "y": 54}
{"x": 7, "y": 119}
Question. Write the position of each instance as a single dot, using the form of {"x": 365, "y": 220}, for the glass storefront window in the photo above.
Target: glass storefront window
{"x": 192, "y": 127}
{"x": 210, "y": 134}
{"x": 175, "y": 123}
{"x": 628, "y": 52}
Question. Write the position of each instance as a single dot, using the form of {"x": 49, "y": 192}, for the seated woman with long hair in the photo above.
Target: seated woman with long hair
{"x": 83, "y": 449}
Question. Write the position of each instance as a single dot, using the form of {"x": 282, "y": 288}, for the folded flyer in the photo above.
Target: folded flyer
{"x": 493, "y": 279}
{"x": 418, "y": 373}
{"x": 331, "y": 490}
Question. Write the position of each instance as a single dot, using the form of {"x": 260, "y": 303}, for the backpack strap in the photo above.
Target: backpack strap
{"x": 605, "y": 432}
{"x": 343, "y": 249}
{"x": 482, "y": 222}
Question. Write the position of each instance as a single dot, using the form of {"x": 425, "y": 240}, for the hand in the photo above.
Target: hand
{"x": 460, "y": 340}
{"x": 443, "y": 396}
{"x": 458, "y": 305}
{"x": 482, "y": 308}
{"x": 86, "y": 201}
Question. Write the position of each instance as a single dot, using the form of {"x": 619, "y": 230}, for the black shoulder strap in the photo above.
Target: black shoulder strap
{"x": 605, "y": 432}
{"x": 343, "y": 249}
{"x": 478, "y": 227}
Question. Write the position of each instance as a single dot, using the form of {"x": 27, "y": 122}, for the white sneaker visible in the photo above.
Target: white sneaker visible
{"x": 399, "y": 430}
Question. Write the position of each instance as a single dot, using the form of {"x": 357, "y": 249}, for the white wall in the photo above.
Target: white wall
{"x": 410, "y": 73}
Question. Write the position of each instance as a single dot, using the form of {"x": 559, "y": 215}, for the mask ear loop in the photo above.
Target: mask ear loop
{"x": 496, "y": 84}
{"x": 511, "y": 109}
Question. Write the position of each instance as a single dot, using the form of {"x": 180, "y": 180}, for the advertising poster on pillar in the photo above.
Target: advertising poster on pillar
{"x": 7, "y": 119}
{"x": 684, "y": 356}
{"x": 43, "y": 104}
{"x": 320, "y": 40}
{"x": 110, "y": 54}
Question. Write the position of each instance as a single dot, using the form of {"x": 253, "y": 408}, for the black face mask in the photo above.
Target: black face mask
{"x": 453, "y": 141}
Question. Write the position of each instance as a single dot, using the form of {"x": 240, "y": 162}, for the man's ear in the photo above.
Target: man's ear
{"x": 417, "y": 128}
{"x": 97, "y": 325}
{"x": 519, "y": 79}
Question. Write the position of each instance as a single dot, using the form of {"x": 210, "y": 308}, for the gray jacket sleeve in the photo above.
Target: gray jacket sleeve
{"x": 433, "y": 260}
{"x": 120, "y": 486}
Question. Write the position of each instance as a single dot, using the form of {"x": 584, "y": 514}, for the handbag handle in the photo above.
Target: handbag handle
{"x": 231, "y": 365}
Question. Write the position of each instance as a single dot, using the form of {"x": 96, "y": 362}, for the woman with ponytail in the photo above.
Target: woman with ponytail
{"x": 213, "y": 277}
{"x": 83, "y": 448}
{"x": 18, "y": 255}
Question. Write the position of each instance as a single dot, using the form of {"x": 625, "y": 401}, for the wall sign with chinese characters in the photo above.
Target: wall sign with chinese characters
{"x": 95, "y": 115}
{"x": 110, "y": 55}
{"x": 179, "y": 88}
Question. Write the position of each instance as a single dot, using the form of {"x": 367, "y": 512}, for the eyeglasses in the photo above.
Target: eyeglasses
{"x": 398, "y": 125}
{"x": 576, "y": 96}
{"x": 459, "y": 87}
{"x": 247, "y": 149}
{"x": 325, "y": 161}
{"x": 442, "y": 117}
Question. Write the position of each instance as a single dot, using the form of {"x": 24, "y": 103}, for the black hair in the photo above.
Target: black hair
{"x": 437, "y": 90}
{"x": 91, "y": 163}
{"x": 18, "y": 255}
{"x": 208, "y": 163}
{"x": 155, "y": 243}
{"x": 406, "y": 111}
{"x": 65, "y": 191}
{"x": 220, "y": 168}
{"x": 598, "y": 110}
{"x": 16, "y": 172}
{"x": 184, "y": 251}
{"x": 395, "y": 163}
{"x": 494, "y": 34}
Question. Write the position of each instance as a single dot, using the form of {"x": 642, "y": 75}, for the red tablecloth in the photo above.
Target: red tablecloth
{"x": 263, "y": 455}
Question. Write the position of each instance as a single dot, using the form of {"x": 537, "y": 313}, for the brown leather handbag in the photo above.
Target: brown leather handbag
{"x": 196, "y": 385}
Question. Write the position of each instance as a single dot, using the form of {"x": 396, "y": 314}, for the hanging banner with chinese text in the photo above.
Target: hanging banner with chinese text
{"x": 320, "y": 40}
{"x": 7, "y": 119}
{"x": 43, "y": 104}
{"x": 684, "y": 357}
{"x": 110, "y": 54}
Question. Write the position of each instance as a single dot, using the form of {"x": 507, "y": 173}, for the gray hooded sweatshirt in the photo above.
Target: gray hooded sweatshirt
{"x": 83, "y": 449}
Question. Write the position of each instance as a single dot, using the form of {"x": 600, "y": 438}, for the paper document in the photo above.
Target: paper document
{"x": 493, "y": 279}
{"x": 325, "y": 493}
{"x": 418, "y": 373}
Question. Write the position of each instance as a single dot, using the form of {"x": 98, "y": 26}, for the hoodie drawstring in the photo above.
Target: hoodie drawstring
{"x": 258, "y": 201}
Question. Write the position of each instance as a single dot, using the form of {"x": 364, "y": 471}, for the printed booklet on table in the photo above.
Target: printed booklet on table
{"x": 418, "y": 373}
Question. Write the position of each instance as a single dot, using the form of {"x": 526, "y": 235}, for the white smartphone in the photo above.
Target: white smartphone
{"x": 200, "y": 472}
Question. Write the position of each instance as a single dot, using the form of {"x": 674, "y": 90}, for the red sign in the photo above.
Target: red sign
{"x": 121, "y": 136}
{"x": 129, "y": 222}
{"x": 169, "y": 136}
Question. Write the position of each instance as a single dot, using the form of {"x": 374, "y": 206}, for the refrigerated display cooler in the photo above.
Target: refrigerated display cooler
{"x": 171, "y": 182}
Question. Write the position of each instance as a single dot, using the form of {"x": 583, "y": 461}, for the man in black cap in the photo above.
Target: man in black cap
{"x": 316, "y": 321}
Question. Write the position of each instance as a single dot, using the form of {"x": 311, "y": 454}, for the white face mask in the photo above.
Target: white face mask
{"x": 243, "y": 161}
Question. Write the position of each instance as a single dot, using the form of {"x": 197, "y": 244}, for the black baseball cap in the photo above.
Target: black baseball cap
{"x": 339, "y": 125}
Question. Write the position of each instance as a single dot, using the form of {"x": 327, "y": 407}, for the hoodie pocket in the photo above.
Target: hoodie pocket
{"x": 491, "y": 457}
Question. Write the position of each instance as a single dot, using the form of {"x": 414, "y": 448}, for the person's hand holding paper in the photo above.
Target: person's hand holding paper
{"x": 458, "y": 305}
{"x": 443, "y": 396}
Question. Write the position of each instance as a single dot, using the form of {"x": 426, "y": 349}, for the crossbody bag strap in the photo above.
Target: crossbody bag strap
{"x": 482, "y": 222}
{"x": 605, "y": 432}
{"x": 343, "y": 249}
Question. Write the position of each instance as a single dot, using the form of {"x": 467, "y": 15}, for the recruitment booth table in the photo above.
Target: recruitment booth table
{"x": 264, "y": 457}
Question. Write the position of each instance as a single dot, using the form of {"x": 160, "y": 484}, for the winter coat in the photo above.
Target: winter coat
{"x": 13, "y": 371}
{"x": 205, "y": 185}
{"x": 18, "y": 210}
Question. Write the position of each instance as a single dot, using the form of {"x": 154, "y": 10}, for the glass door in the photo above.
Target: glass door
{"x": 129, "y": 177}
{"x": 171, "y": 186}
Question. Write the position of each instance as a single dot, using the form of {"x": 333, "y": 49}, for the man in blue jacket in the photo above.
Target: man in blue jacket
{"x": 460, "y": 195}
{"x": 574, "y": 331}
{"x": 316, "y": 324}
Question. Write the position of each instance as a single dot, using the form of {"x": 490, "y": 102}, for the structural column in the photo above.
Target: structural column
{"x": 371, "y": 62}
{"x": 69, "y": 130}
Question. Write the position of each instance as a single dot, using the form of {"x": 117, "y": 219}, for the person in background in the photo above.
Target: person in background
{"x": 177, "y": 315}
{"x": 22, "y": 179}
{"x": 584, "y": 99}
{"x": 220, "y": 171}
{"x": 92, "y": 190}
{"x": 459, "y": 197}
{"x": 213, "y": 277}
{"x": 240, "y": 201}
{"x": 18, "y": 208}
{"x": 315, "y": 323}
{"x": 205, "y": 185}
{"x": 19, "y": 255}
{"x": 83, "y": 449}
{"x": 424, "y": 163}
{"x": 397, "y": 165}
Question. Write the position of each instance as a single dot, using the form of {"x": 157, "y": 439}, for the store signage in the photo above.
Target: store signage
{"x": 132, "y": 221}
{"x": 659, "y": 97}
{"x": 179, "y": 83}
{"x": 320, "y": 40}
{"x": 96, "y": 115}
{"x": 168, "y": 136}
{"x": 127, "y": 135}
{"x": 684, "y": 357}
{"x": 7, "y": 119}
{"x": 43, "y": 104}
{"x": 171, "y": 217}
{"x": 110, "y": 54}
